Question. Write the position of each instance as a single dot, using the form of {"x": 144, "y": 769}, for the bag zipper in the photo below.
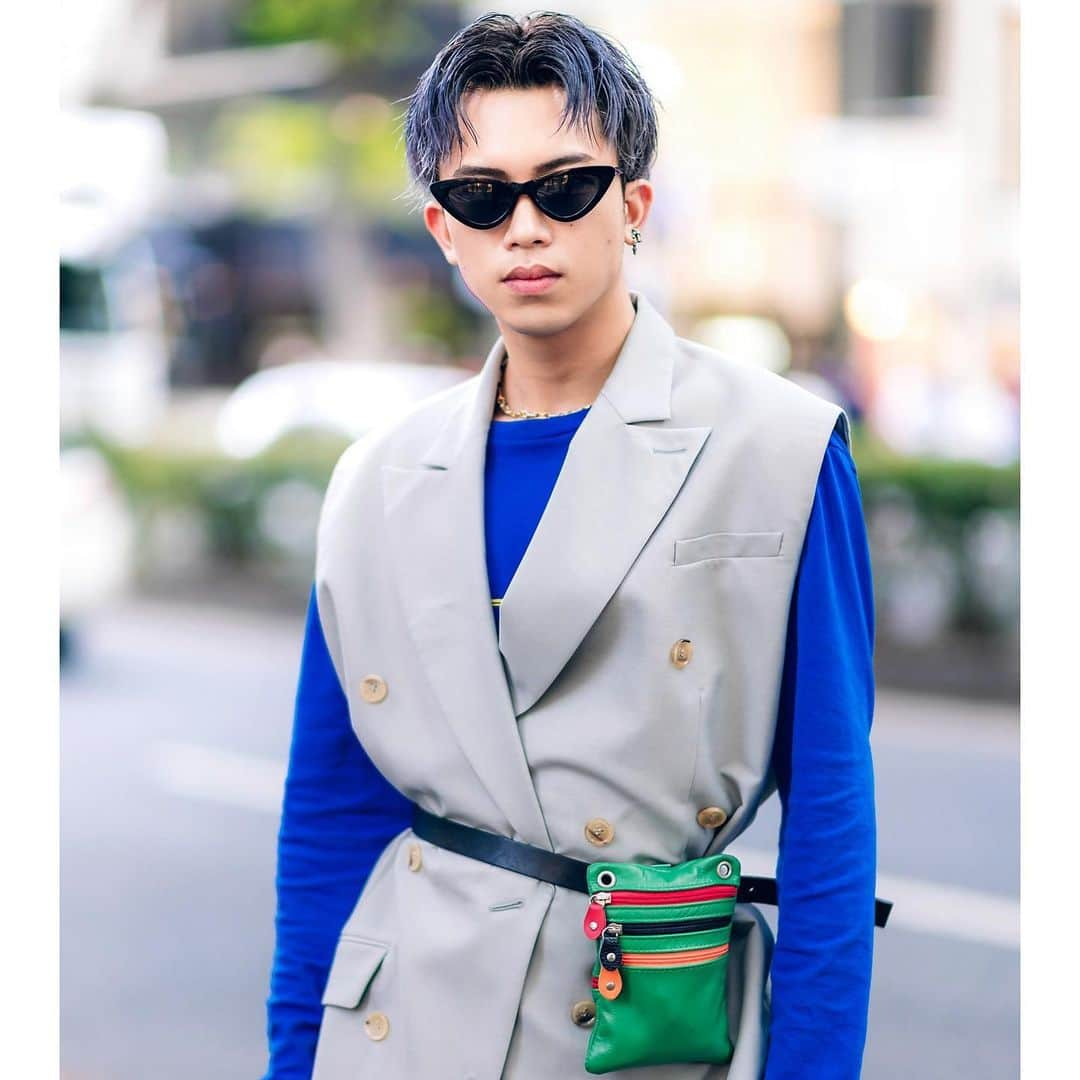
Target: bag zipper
{"x": 674, "y": 926}
{"x": 612, "y": 958}
{"x": 596, "y": 916}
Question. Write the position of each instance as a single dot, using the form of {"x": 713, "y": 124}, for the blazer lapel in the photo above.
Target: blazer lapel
{"x": 616, "y": 484}
{"x": 435, "y": 522}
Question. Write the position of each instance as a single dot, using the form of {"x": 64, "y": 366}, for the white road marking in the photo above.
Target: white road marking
{"x": 926, "y": 906}
{"x": 225, "y": 776}
{"x": 211, "y": 774}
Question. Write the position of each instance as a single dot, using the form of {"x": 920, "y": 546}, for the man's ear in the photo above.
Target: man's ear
{"x": 637, "y": 202}
{"x": 435, "y": 222}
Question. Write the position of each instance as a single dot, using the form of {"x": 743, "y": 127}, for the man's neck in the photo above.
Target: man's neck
{"x": 566, "y": 370}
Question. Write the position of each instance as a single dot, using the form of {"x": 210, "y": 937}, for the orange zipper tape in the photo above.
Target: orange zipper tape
{"x": 673, "y": 959}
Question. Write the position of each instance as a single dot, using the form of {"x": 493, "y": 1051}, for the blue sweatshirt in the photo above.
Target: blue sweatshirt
{"x": 339, "y": 812}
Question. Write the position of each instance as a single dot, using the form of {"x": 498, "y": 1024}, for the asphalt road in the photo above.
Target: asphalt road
{"x": 175, "y": 725}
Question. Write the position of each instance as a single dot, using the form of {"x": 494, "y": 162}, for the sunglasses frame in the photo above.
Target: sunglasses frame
{"x": 441, "y": 190}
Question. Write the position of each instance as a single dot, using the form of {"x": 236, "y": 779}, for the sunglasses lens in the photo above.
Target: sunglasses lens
{"x": 564, "y": 196}
{"x": 480, "y": 203}
{"x": 570, "y": 194}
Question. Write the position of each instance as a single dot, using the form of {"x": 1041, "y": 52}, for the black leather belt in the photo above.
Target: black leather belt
{"x": 562, "y": 870}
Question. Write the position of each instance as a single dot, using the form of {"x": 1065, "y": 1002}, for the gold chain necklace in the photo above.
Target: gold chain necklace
{"x": 524, "y": 413}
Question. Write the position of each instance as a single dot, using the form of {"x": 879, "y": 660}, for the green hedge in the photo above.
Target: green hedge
{"x": 940, "y": 502}
{"x": 226, "y": 492}
{"x": 946, "y": 489}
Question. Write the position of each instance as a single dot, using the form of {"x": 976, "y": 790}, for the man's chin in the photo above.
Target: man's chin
{"x": 538, "y": 320}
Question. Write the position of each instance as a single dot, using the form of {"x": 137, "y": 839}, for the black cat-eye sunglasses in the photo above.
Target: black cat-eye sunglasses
{"x": 483, "y": 203}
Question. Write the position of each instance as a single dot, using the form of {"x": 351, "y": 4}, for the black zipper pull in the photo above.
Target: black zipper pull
{"x": 609, "y": 982}
{"x": 611, "y": 947}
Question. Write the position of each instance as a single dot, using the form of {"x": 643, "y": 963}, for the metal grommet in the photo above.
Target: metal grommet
{"x": 605, "y": 879}
{"x": 724, "y": 869}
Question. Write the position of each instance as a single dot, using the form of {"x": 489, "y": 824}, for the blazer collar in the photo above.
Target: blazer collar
{"x": 615, "y": 485}
{"x": 638, "y": 387}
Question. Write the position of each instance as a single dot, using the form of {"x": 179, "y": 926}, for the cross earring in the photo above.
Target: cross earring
{"x": 635, "y": 239}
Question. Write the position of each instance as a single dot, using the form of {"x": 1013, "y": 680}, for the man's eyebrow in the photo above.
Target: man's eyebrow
{"x": 544, "y": 166}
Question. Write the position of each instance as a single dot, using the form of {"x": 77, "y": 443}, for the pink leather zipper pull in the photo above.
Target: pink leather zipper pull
{"x": 596, "y": 916}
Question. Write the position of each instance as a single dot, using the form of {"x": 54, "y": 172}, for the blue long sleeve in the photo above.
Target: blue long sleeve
{"x": 826, "y": 870}
{"x": 339, "y": 812}
{"x": 338, "y": 815}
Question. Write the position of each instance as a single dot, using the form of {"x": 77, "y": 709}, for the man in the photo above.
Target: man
{"x": 601, "y": 599}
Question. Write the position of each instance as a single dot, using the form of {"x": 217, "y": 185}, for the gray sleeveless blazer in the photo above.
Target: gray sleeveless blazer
{"x": 679, "y": 513}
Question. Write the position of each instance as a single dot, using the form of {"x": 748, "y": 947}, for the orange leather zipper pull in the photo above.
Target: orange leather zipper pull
{"x": 609, "y": 983}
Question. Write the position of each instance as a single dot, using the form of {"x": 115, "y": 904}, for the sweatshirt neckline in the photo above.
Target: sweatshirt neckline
{"x": 537, "y": 427}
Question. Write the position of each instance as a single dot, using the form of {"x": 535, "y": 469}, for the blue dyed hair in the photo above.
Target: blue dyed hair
{"x": 545, "y": 48}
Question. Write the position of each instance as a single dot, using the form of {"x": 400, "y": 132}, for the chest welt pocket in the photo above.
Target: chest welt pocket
{"x": 355, "y": 962}
{"x": 727, "y": 545}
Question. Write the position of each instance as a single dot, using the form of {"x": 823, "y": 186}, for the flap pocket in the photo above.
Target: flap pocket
{"x": 355, "y": 962}
{"x": 727, "y": 545}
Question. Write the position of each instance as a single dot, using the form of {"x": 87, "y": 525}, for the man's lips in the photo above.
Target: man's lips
{"x": 530, "y": 273}
{"x": 532, "y": 285}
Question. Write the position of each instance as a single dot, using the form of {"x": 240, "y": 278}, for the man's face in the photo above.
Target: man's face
{"x": 516, "y": 132}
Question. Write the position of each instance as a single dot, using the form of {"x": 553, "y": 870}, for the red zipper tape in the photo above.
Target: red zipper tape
{"x": 596, "y": 916}
{"x": 673, "y": 896}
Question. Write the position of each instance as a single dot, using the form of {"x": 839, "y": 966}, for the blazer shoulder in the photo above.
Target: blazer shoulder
{"x": 405, "y": 432}
{"x": 737, "y": 391}
{"x": 398, "y": 438}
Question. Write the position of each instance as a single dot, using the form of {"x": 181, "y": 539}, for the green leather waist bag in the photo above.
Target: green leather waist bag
{"x": 660, "y": 978}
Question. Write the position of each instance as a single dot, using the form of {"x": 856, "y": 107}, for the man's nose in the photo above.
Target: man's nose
{"x": 526, "y": 221}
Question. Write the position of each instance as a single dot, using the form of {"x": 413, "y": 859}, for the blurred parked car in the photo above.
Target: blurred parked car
{"x": 326, "y": 396}
{"x": 113, "y": 345}
{"x": 113, "y": 353}
{"x": 97, "y": 539}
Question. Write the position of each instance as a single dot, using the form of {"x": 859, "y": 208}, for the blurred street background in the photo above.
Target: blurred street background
{"x": 243, "y": 293}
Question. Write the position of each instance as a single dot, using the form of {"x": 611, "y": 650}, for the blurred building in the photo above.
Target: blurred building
{"x": 848, "y": 171}
{"x": 267, "y": 252}
{"x": 837, "y": 190}
{"x": 837, "y": 199}
{"x": 920, "y": 167}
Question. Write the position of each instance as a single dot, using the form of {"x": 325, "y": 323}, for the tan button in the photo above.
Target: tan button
{"x": 598, "y": 831}
{"x": 681, "y": 652}
{"x": 377, "y": 1026}
{"x": 373, "y": 688}
{"x": 583, "y": 1013}
{"x": 415, "y": 858}
{"x": 711, "y": 817}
